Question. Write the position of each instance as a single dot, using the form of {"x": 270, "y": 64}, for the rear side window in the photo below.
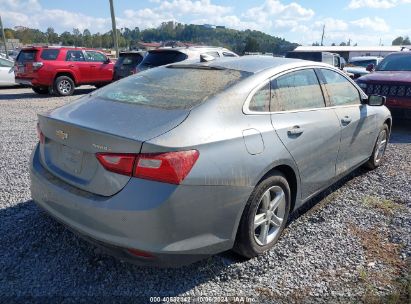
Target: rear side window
{"x": 75, "y": 56}
{"x": 171, "y": 88}
{"x": 340, "y": 91}
{"x": 26, "y": 55}
{"x": 226, "y": 54}
{"x": 260, "y": 102}
{"x": 214, "y": 54}
{"x": 295, "y": 91}
{"x": 49, "y": 54}
{"x": 95, "y": 56}
{"x": 155, "y": 59}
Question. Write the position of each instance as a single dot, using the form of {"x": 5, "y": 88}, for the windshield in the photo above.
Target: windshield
{"x": 363, "y": 63}
{"x": 395, "y": 63}
{"x": 171, "y": 88}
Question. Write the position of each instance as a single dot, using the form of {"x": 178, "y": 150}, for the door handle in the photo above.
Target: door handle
{"x": 93, "y": 66}
{"x": 71, "y": 65}
{"x": 346, "y": 120}
{"x": 296, "y": 130}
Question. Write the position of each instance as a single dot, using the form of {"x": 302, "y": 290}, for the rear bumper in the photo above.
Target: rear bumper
{"x": 176, "y": 224}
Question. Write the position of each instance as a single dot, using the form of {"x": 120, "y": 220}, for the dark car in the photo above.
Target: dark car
{"x": 392, "y": 78}
{"x": 127, "y": 64}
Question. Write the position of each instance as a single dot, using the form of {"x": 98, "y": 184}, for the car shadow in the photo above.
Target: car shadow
{"x": 401, "y": 131}
{"x": 31, "y": 95}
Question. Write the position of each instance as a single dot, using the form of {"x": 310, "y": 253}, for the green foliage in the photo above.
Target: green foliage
{"x": 401, "y": 41}
{"x": 238, "y": 41}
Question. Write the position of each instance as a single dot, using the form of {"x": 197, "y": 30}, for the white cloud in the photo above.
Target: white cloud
{"x": 332, "y": 24}
{"x": 375, "y": 24}
{"x": 355, "y": 4}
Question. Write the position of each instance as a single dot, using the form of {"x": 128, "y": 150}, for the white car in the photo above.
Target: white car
{"x": 6, "y": 72}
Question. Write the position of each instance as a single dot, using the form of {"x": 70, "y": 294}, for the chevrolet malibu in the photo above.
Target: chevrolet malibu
{"x": 188, "y": 160}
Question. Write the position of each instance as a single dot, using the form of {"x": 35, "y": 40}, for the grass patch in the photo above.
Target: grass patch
{"x": 388, "y": 207}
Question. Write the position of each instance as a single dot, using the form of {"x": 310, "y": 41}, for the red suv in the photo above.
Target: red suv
{"x": 60, "y": 70}
{"x": 391, "y": 78}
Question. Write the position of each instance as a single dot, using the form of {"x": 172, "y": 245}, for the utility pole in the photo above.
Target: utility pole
{"x": 113, "y": 25}
{"x": 322, "y": 36}
{"x": 4, "y": 39}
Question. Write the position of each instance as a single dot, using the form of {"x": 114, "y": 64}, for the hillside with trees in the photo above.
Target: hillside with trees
{"x": 238, "y": 41}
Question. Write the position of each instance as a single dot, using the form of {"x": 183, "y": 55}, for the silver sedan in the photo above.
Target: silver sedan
{"x": 187, "y": 160}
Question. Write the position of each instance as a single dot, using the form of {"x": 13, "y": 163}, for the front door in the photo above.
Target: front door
{"x": 358, "y": 121}
{"x": 309, "y": 130}
{"x": 101, "y": 69}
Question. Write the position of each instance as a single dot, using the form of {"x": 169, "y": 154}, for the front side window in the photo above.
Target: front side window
{"x": 227, "y": 54}
{"x": 260, "y": 102}
{"x": 95, "y": 56}
{"x": 295, "y": 91}
{"x": 214, "y": 54}
{"x": 75, "y": 56}
{"x": 340, "y": 90}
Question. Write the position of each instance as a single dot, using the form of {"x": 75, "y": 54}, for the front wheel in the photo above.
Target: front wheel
{"x": 64, "y": 86}
{"x": 264, "y": 216}
{"x": 379, "y": 148}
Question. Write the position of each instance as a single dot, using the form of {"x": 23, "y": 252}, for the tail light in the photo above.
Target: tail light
{"x": 37, "y": 65}
{"x": 140, "y": 253}
{"x": 40, "y": 135}
{"x": 169, "y": 167}
{"x": 118, "y": 163}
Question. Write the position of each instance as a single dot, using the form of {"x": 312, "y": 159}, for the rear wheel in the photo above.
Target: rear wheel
{"x": 264, "y": 216}
{"x": 379, "y": 148}
{"x": 64, "y": 86}
{"x": 40, "y": 90}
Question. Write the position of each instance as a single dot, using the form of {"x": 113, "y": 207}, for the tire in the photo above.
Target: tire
{"x": 379, "y": 148}
{"x": 100, "y": 85}
{"x": 64, "y": 86}
{"x": 40, "y": 90}
{"x": 251, "y": 241}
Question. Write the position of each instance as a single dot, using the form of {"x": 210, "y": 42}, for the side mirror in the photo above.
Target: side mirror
{"x": 376, "y": 100}
{"x": 370, "y": 67}
{"x": 342, "y": 65}
{"x": 107, "y": 60}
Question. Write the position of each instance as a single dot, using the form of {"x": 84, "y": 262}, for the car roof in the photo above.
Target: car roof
{"x": 358, "y": 58}
{"x": 255, "y": 63}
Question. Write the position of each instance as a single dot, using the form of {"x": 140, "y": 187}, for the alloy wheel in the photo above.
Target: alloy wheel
{"x": 64, "y": 86}
{"x": 269, "y": 215}
{"x": 380, "y": 147}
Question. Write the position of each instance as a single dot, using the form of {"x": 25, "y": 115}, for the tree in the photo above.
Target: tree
{"x": 333, "y": 44}
{"x": 251, "y": 45}
{"x": 406, "y": 41}
{"x": 87, "y": 40}
{"x": 398, "y": 41}
{"x": 52, "y": 37}
{"x": 343, "y": 44}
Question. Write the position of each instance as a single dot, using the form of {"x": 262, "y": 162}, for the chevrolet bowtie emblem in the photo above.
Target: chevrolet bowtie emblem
{"x": 61, "y": 134}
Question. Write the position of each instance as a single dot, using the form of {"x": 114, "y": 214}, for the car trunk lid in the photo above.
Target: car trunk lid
{"x": 24, "y": 63}
{"x": 76, "y": 132}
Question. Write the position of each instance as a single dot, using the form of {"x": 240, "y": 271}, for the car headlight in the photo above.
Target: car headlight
{"x": 362, "y": 85}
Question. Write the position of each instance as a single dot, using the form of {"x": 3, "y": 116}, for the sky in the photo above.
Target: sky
{"x": 365, "y": 22}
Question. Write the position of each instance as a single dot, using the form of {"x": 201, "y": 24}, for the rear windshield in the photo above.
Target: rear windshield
{"x": 171, "y": 88}
{"x": 363, "y": 63}
{"x": 129, "y": 59}
{"x": 155, "y": 59}
{"x": 26, "y": 55}
{"x": 395, "y": 63}
{"x": 49, "y": 54}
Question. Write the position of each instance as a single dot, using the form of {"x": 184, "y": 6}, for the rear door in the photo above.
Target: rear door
{"x": 357, "y": 121}
{"x": 126, "y": 64}
{"x": 101, "y": 69}
{"x": 309, "y": 130}
{"x": 75, "y": 61}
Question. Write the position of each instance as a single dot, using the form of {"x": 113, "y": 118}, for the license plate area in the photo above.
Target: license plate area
{"x": 71, "y": 159}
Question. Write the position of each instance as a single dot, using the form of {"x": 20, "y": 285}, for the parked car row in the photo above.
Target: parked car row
{"x": 61, "y": 70}
{"x": 6, "y": 72}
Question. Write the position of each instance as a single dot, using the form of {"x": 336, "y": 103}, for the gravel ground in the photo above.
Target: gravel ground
{"x": 350, "y": 244}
